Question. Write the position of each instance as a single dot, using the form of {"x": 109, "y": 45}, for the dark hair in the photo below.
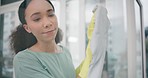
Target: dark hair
{"x": 20, "y": 39}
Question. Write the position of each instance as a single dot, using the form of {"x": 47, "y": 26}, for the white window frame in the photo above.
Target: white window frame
{"x": 143, "y": 39}
{"x": 131, "y": 26}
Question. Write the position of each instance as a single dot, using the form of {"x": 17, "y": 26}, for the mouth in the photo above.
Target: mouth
{"x": 50, "y": 31}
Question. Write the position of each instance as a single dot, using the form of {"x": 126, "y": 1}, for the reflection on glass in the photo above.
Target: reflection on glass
{"x": 138, "y": 41}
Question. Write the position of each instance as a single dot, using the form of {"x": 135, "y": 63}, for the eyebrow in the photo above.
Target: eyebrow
{"x": 50, "y": 10}
{"x": 37, "y": 13}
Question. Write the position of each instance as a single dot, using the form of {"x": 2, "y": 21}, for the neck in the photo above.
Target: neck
{"x": 45, "y": 47}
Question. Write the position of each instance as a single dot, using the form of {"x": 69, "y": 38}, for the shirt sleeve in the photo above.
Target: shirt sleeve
{"x": 28, "y": 66}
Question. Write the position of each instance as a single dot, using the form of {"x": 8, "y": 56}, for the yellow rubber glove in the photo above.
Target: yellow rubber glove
{"x": 82, "y": 70}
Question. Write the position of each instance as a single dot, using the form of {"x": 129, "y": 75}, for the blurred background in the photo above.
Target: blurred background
{"x": 127, "y": 51}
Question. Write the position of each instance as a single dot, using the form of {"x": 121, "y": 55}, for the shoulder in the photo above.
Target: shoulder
{"x": 24, "y": 54}
{"x": 26, "y": 60}
{"x": 24, "y": 57}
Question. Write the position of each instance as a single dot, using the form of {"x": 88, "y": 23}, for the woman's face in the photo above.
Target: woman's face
{"x": 41, "y": 20}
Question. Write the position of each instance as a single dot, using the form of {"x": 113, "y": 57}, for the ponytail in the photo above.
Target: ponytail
{"x": 20, "y": 39}
{"x": 59, "y": 36}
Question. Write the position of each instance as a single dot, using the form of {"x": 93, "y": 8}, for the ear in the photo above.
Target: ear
{"x": 26, "y": 27}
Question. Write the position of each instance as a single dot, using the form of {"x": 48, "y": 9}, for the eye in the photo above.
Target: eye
{"x": 51, "y": 14}
{"x": 36, "y": 19}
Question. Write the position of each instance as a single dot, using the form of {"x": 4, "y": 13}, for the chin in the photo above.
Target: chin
{"x": 49, "y": 39}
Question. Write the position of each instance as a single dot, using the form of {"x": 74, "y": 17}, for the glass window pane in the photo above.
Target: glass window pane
{"x": 117, "y": 49}
{"x": 116, "y": 65}
{"x": 116, "y": 57}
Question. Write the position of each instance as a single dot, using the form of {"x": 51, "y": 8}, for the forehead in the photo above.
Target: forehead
{"x": 38, "y": 5}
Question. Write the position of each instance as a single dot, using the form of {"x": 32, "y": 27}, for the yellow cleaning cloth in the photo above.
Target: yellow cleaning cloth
{"x": 82, "y": 70}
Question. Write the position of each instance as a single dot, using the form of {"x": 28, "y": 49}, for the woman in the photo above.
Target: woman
{"x": 35, "y": 43}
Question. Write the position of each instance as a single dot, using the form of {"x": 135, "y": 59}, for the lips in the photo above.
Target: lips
{"x": 46, "y": 32}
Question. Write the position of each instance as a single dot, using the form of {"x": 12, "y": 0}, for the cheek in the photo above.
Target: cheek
{"x": 56, "y": 23}
{"x": 33, "y": 25}
{"x": 34, "y": 28}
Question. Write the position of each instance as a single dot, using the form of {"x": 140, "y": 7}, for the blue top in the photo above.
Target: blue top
{"x": 29, "y": 64}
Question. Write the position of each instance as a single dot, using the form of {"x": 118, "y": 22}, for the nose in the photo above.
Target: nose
{"x": 47, "y": 22}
